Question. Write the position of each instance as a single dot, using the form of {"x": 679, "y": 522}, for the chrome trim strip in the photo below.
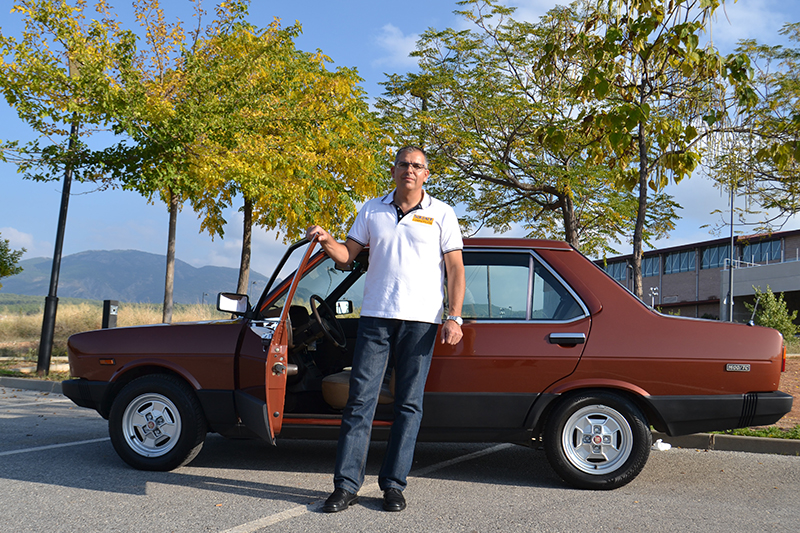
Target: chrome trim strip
{"x": 537, "y": 257}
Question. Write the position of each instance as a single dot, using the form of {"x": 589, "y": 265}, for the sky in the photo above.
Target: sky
{"x": 375, "y": 38}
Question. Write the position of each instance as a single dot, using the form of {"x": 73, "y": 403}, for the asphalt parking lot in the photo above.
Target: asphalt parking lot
{"x": 58, "y": 472}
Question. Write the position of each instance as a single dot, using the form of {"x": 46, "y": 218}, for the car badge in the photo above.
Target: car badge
{"x": 738, "y": 367}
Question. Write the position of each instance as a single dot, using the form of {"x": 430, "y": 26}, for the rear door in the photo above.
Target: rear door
{"x": 524, "y": 329}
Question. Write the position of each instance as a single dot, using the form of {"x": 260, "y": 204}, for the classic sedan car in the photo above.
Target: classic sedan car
{"x": 555, "y": 354}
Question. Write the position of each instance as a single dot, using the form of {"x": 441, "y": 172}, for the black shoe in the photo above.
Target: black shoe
{"x": 393, "y": 500}
{"x": 339, "y": 501}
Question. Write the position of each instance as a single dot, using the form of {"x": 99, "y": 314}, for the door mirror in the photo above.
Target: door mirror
{"x": 229, "y": 302}
{"x": 344, "y": 307}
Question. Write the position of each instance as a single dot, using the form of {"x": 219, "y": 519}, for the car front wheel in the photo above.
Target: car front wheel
{"x": 597, "y": 440}
{"x": 157, "y": 423}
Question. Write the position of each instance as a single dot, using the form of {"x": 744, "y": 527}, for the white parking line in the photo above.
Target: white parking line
{"x": 300, "y": 510}
{"x": 53, "y": 446}
{"x": 40, "y": 402}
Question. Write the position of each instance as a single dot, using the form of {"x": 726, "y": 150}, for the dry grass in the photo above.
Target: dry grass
{"x": 20, "y": 333}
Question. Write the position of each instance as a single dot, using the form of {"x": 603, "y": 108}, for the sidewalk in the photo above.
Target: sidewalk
{"x": 699, "y": 441}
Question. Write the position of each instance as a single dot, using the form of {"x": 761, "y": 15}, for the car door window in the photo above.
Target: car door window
{"x": 515, "y": 286}
{"x": 550, "y": 300}
{"x": 497, "y": 286}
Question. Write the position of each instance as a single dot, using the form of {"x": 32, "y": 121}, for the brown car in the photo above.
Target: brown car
{"x": 554, "y": 352}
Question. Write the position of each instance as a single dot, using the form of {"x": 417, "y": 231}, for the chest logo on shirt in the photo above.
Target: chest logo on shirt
{"x": 424, "y": 220}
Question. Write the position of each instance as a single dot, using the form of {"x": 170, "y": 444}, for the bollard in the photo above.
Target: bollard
{"x": 110, "y": 308}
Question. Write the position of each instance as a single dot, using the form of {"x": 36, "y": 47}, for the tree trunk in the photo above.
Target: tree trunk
{"x": 169, "y": 281}
{"x": 570, "y": 221}
{"x": 247, "y": 236}
{"x": 641, "y": 213}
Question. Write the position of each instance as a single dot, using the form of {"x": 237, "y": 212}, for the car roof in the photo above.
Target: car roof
{"x": 514, "y": 243}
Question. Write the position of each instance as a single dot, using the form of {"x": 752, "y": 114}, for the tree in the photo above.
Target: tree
{"x": 507, "y": 136}
{"x": 243, "y": 112}
{"x": 67, "y": 71}
{"x": 58, "y": 79}
{"x": 9, "y": 259}
{"x": 295, "y": 140}
{"x": 153, "y": 114}
{"x": 654, "y": 94}
{"x": 60, "y": 75}
{"x": 771, "y": 312}
{"x": 204, "y": 115}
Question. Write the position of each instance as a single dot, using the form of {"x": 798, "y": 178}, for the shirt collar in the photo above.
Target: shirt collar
{"x": 426, "y": 198}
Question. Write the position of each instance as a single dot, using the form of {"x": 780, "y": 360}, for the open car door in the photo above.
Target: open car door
{"x": 266, "y": 418}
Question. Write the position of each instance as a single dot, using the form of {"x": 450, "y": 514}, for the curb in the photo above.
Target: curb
{"x": 31, "y": 384}
{"x": 699, "y": 441}
{"x": 732, "y": 443}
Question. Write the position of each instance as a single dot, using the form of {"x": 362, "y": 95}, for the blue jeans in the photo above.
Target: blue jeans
{"x": 411, "y": 344}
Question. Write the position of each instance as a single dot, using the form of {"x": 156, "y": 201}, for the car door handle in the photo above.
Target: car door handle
{"x": 570, "y": 339}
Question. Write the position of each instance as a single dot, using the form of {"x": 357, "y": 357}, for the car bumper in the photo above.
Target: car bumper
{"x": 86, "y": 393}
{"x": 682, "y": 415}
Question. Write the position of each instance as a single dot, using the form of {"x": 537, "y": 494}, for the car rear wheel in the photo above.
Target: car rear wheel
{"x": 157, "y": 423}
{"x": 597, "y": 440}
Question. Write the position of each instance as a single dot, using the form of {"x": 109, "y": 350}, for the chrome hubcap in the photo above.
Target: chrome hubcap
{"x": 152, "y": 425}
{"x": 597, "y": 439}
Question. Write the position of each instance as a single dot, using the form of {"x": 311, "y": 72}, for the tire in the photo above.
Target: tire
{"x": 597, "y": 440}
{"x": 156, "y": 423}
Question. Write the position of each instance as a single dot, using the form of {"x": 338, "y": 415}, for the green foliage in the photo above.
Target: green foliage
{"x": 227, "y": 109}
{"x": 506, "y": 134}
{"x": 282, "y": 128}
{"x": 773, "y": 313}
{"x": 769, "y": 432}
{"x": 9, "y": 259}
{"x": 59, "y": 72}
{"x": 235, "y": 110}
{"x": 652, "y": 95}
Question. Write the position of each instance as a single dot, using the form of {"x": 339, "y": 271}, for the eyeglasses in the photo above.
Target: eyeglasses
{"x": 402, "y": 165}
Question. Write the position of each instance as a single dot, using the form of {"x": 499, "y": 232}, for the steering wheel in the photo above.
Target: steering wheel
{"x": 326, "y": 319}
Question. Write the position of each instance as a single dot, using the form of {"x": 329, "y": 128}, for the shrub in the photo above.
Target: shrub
{"x": 772, "y": 313}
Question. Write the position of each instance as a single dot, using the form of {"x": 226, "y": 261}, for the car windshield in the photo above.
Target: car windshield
{"x": 329, "y": 283}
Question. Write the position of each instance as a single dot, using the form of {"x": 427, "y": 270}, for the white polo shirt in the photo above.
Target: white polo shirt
{"x": 405, "y": 278}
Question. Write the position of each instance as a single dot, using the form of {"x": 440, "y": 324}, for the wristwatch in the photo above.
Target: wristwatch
{"x": 456, "y": 319}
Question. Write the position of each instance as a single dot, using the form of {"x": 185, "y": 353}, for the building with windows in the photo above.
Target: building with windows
{"x": 695, "y": 279}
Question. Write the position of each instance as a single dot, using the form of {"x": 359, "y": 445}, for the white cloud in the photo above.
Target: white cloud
{"x": 397, "y": 46}
{"x": 18, "y": 239}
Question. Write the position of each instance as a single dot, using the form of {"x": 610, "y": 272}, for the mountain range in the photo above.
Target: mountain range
{"x": 127, "y": 276}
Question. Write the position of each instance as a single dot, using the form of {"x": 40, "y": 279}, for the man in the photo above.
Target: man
{"x": 412, "y": 239}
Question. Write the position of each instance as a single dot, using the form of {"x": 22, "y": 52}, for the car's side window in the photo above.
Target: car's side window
{"x": 550, "y": 300}
{"x": 514, "y": 286}
{"x": 497, "y": 286}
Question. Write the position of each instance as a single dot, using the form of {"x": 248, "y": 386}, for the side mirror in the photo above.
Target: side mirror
{"x": 229, "y": 302}
{"x": 344, "y": 307}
